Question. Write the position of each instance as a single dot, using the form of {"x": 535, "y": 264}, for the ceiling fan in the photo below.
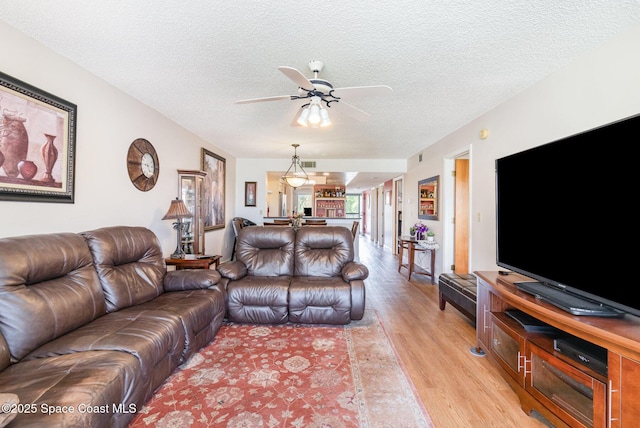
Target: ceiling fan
{"x": 318, "y": 95}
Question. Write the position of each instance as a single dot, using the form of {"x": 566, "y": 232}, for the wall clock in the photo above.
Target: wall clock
{"x": 143, "y": 164}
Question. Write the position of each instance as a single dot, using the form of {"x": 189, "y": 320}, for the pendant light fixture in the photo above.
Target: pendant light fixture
{"x": 295, "y": 175}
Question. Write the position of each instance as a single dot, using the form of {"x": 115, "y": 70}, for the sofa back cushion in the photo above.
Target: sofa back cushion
{"x": 129, "y": 263}
{"x": 266, "y": 251}
{"x": 48, "y": 287}
{"x": 322, "y": 251}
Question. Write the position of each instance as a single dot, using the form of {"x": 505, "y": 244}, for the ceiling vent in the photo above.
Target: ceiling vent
{"x": 308, "y": 164}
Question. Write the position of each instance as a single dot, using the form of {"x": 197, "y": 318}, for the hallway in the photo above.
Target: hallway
{"x": 457, "y": 388}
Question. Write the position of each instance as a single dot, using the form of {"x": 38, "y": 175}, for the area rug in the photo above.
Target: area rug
{"x": 289, "y": 376}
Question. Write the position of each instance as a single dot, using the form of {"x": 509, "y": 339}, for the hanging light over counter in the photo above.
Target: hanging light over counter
{"x": 295, "y": 175}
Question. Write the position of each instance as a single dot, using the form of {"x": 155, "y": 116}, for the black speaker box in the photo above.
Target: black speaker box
{"x": 587, "y": 354}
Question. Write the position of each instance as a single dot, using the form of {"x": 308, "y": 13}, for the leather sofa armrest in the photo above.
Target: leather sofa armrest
{"x": 354, "y": 270}
{"x": 190, "y": 279}
{"x": 233, "y": 270}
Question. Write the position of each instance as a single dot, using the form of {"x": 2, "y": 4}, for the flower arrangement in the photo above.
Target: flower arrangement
{"x": 419, "y": 229}
{"x": 296, "y": 220}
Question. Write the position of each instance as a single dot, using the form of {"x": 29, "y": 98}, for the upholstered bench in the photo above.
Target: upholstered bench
{"x": 461, "y": 291}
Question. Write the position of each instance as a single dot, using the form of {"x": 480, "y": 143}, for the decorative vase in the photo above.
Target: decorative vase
{"x": 412, "y": 233}
{"x": 430, "y": 238}
{"x": 27, "y": 169}
{"x": 14, "y": 142}
{"x": 419, "y": 236}
{"x": 50, "y": 156}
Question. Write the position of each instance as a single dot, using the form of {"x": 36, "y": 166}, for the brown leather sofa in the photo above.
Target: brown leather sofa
{"x": 306, "y": 276}
{"x": 92, "y": 323}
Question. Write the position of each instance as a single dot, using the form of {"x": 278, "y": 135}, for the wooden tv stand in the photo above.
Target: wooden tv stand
{"x": 559, "y": 388}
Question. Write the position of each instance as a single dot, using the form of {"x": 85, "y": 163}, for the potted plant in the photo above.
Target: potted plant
{"x": 430, "y": 235}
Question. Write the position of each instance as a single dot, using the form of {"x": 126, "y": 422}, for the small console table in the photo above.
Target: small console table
{"x": 409, "y": 243}
{"x": 197, "y": 263}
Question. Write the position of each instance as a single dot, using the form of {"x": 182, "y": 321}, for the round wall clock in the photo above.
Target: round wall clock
{"x": 143, "y": 164}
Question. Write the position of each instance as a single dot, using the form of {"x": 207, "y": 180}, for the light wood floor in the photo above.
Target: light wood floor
{"x": 457, "y": 388}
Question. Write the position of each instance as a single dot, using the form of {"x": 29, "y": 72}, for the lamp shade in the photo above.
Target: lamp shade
{"x": 314, "y": 114}
{"x": 303, "y": 119}
{"x": 296, "y": 181}
{"x": 324, "y": 114}
{"x": 177, "y": 210}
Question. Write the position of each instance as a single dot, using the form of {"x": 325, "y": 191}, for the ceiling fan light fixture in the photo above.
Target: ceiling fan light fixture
{"x": 295, "y": 175}
{"x": 303, "y": 119}
{"x": 324, "y": 116}
{"x": 314, "y": 114}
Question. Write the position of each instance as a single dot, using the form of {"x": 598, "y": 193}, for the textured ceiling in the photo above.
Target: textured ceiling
{"x": 447, "y": 61}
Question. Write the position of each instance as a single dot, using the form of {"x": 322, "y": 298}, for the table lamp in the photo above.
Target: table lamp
{"x": 177, "y": 211}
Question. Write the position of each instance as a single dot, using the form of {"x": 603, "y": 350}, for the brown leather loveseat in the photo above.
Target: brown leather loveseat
{"x": 91, "y": 324}
{"x": 306, "y": 276}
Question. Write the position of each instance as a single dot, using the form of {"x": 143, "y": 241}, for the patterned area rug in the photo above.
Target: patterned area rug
{"x": 289, "y": 376}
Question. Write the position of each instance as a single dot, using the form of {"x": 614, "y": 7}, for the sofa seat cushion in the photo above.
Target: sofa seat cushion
{"x": 316, "y": 300}
{"x": 156, "y": 338}
{"x": 261, "y": 300}
{"x": 201, "y": 312}
{"x": 93, "y": 379}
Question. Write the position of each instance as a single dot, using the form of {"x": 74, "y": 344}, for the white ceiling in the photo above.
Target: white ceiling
{"x": 447, "y": 61}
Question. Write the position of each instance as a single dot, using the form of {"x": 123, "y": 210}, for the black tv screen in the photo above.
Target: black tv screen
{"x": 566, "y": 214}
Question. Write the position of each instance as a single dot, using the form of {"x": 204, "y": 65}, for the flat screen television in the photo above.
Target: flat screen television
{"x": 566, "y": 217}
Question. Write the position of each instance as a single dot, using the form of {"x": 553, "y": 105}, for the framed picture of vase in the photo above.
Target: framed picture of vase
{"x": 250, "y": 193}
{"x": 37, "y": 144}
{"x": 214, "y": 190}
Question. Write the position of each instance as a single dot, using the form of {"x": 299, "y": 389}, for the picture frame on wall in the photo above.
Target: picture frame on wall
{"x": 37, "y": 144}
{"x": 214, "y": 190}
{"x": 250, "y": 188}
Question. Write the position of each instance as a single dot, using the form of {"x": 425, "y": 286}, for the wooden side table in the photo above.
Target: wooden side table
{"x": 201, "y": 263}
{"x": 409, "y": 244}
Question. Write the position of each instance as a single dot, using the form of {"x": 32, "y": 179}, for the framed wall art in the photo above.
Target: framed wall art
{"x": 214, "y": 190}
{"x": 37, "y": 144}
{"x": 250, "y": 193}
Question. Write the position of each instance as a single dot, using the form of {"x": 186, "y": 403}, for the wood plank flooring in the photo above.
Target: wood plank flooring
{"x": 457, "y": 388}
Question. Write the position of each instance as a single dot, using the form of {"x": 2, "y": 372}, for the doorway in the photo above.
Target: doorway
{"x": 457, "y": 209}
{"x": 461, "y": 210}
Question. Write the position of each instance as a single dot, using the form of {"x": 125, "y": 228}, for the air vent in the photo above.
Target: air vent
{"x": 308, "y": 164}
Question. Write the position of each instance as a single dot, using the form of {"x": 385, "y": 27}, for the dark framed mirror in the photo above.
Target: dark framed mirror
{"x": 428, "y": 198}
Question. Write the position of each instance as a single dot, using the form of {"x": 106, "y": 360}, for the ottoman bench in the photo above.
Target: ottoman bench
{"x": 460, "y": 290}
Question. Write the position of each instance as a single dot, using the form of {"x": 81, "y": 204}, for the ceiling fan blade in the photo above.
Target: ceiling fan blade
{"x": 361, "y": 91}
{"x": 259, "y": 100}
{"x": 297, "y": 77}
{"x": 342, "y": 107}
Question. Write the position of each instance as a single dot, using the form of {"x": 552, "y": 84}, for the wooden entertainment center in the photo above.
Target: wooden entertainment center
{"x": 562, "y": 389}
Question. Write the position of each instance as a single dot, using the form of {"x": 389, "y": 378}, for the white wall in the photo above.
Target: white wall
{"x": 108, "y": 121}
{"x": 599, "y": 88}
